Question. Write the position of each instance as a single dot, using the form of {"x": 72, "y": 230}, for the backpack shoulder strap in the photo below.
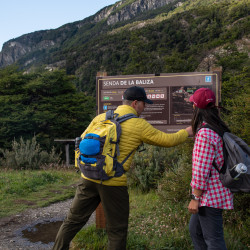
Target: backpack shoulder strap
{"x": 124, "y": 118}
{"x": 109, "y": 115}
{"x": 215, "y": 166}
{"x": 121, "y": 119}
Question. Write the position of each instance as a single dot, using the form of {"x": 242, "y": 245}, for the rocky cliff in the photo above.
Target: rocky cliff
{"x": 123, "y": 12}
{"x": 35, "y": 46}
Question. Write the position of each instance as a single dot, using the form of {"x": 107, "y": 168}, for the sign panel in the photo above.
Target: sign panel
{"x": 170, "y": 93}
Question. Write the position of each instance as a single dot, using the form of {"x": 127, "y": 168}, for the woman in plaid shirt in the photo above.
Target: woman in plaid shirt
{"x": 209, "y": 196}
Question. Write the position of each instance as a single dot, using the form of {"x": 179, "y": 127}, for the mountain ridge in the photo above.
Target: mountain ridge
{"x": 35, "y": 41}
{"x": 156, "y": 36}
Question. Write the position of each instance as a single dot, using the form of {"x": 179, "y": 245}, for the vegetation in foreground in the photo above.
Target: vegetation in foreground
{"x": 155, "y": 224}
{"x": 31, "y": 177}
{"x": 159, "y": 194}
{"x": 23, "y": 189}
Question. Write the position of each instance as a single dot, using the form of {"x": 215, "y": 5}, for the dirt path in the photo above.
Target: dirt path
{"x": 39, "y": 225}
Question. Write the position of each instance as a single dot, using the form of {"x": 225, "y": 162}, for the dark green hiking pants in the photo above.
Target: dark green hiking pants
{"x": 115, "y": 202}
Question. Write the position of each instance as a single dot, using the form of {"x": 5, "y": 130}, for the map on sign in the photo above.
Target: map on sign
{"x": 170, "y": 93}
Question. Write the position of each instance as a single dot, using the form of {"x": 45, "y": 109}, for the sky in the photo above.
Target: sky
{"x": 19, "y": 17}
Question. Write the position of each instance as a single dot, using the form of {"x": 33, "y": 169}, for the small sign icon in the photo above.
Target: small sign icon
{"x": 105, "y": 107}
{"x": 106, "y": 98}
{"x": 208, "y": 79}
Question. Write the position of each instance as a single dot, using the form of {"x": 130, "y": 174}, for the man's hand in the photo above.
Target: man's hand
{"x": 193, "y": 207}
{"x": 189, "y": 130}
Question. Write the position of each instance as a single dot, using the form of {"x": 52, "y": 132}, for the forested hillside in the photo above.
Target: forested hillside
{"x": 126, "y": 38}
{"x": 180, "y": 43}
{"x": 178, "y": 37}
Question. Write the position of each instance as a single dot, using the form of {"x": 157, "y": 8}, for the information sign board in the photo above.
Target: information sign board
{"x": 170, "y": 93}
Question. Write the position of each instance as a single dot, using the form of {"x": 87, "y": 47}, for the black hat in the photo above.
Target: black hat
{"x": 136, "y": 93}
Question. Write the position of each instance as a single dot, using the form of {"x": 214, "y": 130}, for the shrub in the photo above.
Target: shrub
{"x": 175, "y": 183}
{"x": 149, "y": 166}
{"x": 27, "y": 155}
{"x": 238, "y": 105}
{"x": 238, "y": 220}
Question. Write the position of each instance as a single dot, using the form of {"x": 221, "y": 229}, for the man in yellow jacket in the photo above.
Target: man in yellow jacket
{"x": 113, "y": 192}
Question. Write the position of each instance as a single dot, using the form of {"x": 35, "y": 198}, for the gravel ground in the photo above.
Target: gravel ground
{"x": 14, "y": 228}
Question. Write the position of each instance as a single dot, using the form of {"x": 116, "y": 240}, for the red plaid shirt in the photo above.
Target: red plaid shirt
{"x": 207, "y": 147}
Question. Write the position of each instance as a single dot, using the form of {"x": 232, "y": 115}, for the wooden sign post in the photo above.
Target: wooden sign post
{"x": 100, "y": 217}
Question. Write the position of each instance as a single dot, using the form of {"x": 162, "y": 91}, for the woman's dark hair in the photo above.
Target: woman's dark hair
{"x": 211, "y": 117}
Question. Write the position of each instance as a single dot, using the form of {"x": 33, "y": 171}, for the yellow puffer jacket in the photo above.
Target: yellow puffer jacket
{"x": 134, "y": 132}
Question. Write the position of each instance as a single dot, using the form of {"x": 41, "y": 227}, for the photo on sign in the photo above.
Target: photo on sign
{"x": 180, "y": 99}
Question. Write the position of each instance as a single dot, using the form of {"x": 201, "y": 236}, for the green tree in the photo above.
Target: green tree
{"x": 235, "y": 96}
{"x": 43, "y": 104}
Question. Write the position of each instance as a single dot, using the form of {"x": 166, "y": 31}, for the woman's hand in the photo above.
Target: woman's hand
{"x": 193, "y": 207}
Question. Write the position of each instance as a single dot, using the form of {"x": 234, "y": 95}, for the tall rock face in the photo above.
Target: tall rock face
{"x": 122, "y": 12}
{"x": 30, "y": 48}
{"x": 12, "y": 51}
{"x": 35, "y": 44}
{"x": 17, "y": 48}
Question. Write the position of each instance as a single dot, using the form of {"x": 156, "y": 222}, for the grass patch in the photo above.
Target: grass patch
{"x": 157, "y": 225}
{"x": 154, "y": 224}
{"x": 91, "y": 238}
{"x": 22, "y": 189}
